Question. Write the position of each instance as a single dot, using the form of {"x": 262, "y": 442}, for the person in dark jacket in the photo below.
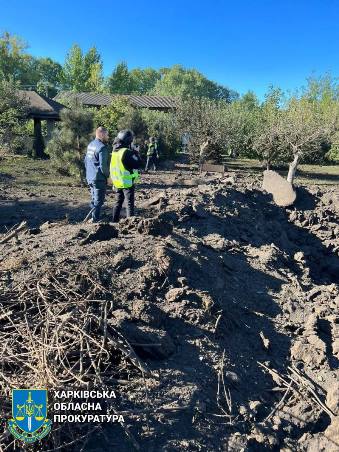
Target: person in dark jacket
{"x": 152, "y": 154}
{"x": 125, "y": 163}
{"x": 97, "y": 170}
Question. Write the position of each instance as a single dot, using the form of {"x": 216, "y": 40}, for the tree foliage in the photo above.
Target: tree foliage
{"x": 110, "y": 116}
{"x": 136, "y": 81}
{"x": 181, "y": 82}
{"x": 302, "y": 126}
{"x": 69, "y": 141}
{"x": 13, "y": 118}
{"x": 14, "y": 60}
{"x": 16, "y": 65}
{"x": 82, "y": 71}
{"x": 165, "y": 127}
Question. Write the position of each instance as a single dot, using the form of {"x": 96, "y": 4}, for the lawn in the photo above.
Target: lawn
{"x": 25, "y": 171}
{"x": 30, "y": 172}
{"x": 306, "y": 174}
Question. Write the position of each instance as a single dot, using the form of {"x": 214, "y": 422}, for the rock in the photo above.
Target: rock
{"x": 215, "y": 241}
{"x": 307, "y": 353}
{"x": 154, "y": 201}
{"x": 121, "y": 261}
{"x": 147, "y": 312}
{"x": 229, "y": 180}
{"x": 189, "y": 182}
{"x": 313, "y": 293}
{"x": 101, "y": 232}
{"x": 282, "y": 191}
{"x": 332, "y": 399}
{"x": 194, "y": 211}
{"x": 34, "y": 231}
{"x": 332, "y": 433}
{"x": 254, "y": 405}
{"x": 265, "y": 340}
{"x": 175, "y": 294}
{"x": 299, "y": 257}
{"x": 147, "y": 226}
{"x": 233, "y": 378}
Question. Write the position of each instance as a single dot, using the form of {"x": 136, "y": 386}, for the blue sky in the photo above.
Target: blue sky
{"x": 243, "y": 44}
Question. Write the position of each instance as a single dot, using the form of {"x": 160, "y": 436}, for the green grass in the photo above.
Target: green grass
{"x": 306, "y": 174}
{"x": 23, "y": 170}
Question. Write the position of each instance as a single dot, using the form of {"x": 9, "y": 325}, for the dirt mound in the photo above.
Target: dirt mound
{"x": 213, "y": 316}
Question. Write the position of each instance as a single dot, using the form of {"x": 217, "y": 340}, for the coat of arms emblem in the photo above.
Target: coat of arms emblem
{"x": 29, "y": 411}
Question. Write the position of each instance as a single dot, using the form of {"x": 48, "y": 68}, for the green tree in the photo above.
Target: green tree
{"x": 68, "y": 145}
{"x": 119, "y": 82}
{"x": 181, "y": 82}
{"x": 143, "y": 80}
{"x": 82, "y": 72}
{"x": 110, "y": 116}
{"x": 93, "y": 70}
{"x": 268, "y": 144}
{"x": 249, "y": 101}
{"x": 14, "y": 61}
{"x": 49, "y": 76}
{"x": 203, "y": 119}
{"x": 165, "y": 127}
{"x": 299, "y": 128}
{"x": 306, "y": 128}
{"x": 136, "y": 81}
{"x": 13, "y": 118}
{"x": 133, "y": 120}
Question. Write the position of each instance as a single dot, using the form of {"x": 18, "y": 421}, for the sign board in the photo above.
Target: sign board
{"x": 211, "y": 168}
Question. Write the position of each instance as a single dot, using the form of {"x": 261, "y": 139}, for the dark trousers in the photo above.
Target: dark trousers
{"x": 98, "y": 199}
{"x": 151, "y": 160}
{"x": 121, "y": 195}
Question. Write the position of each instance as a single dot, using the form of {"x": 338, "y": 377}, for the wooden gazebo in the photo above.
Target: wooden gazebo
{"x": 41, "y": 108}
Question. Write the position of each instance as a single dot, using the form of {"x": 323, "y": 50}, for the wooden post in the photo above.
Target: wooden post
{"x": 38, "y": 144}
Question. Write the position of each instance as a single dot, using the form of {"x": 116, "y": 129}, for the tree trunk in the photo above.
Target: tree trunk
{"x": 293, "y": 168}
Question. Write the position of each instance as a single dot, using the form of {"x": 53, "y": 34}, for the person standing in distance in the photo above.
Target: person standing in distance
{"x": 152, "y": 154}
{"x": 125, "y": 163}
{"x": 97, "y": 170}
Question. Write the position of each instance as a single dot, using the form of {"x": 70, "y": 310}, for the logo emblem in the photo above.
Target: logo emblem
{"x": 29, "y": 411}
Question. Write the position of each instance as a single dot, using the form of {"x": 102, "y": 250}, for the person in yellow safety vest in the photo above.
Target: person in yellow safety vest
{"x": 125, "y": 163}
{"x": 152, "y": 153}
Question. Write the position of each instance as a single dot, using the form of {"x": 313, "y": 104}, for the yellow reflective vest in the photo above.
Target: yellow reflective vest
{"x": 120, "y": 176}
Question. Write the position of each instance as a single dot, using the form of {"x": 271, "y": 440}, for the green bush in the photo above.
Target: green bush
{"x": 110, "y": 116}
{"x": 13, "y": 119}
{"x": 165, "y": 127}
{"x": 68, "y": 145}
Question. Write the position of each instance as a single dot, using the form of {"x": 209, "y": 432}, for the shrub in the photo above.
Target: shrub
{"x": 67, "y": 147}
{"x": 13, "y": 118}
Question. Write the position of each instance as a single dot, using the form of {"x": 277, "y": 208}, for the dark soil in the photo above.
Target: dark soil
{"x": 211, "y": 278}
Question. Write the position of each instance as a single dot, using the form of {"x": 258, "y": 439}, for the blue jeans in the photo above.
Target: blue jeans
{"x": 98, "y": 199}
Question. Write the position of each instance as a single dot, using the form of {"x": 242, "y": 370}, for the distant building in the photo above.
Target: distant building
{"x": 98, "y": 100}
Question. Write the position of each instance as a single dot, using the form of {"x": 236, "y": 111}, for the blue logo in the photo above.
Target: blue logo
{"x": 29, "y": 411}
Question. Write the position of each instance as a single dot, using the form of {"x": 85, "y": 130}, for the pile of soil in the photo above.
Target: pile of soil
{"x": 227, "y": 302}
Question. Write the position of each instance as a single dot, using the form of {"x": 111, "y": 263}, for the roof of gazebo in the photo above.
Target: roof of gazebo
{"x": 164, "y": 103}
{"x": 41, "y": 107}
